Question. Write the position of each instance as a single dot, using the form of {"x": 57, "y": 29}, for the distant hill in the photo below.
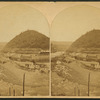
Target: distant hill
{"x": 2, "y": 44}
{"x": 29, "y": 39}
{"x": 89, "y": 41}
{"x": 57, "y": 46}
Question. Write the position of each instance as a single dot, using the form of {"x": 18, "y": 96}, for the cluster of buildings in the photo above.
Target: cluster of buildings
{"x": 84, "y": 56}
{"x": 27, "y": 54}
{"x": 32, "y": 66}
{"x": 92, "y": 60}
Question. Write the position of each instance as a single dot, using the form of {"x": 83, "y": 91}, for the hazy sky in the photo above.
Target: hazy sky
{"x": 75, "y": 21}
{"x": 68, "y": 20}
{"x": 51, "y": 9}
{"x": 17, "y": 18}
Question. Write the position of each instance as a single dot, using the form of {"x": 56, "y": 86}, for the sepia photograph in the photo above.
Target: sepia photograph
{"x": 49, "y": 49}
{"x": 24, "y": 51}
{"x": 75, "y": 51}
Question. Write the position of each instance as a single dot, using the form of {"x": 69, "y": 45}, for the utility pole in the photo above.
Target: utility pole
{"x": 23, "y": 84}
{"x": 89, "y": 84}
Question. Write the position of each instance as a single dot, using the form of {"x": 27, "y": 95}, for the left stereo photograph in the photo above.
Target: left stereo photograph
{"x": 24, "y": 51}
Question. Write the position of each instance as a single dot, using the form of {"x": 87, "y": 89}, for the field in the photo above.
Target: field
{"x": 71, "y": 78}
{"x": 12, "y": 76}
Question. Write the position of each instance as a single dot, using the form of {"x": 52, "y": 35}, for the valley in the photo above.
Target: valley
{"x": 36, "y": 77}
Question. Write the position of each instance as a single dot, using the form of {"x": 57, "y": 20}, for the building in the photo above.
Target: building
{"x": 29, "y": 50}
{"x": 26, "y": 57}
{"x": 58, "y": 62}
{"x": 81, "y": 56}
{"x": 44, "y": 53}
{"x": 92, "y": 64}
{"x": 31, "y": 66}
{"x": 92, "y": 58}
{"x": 69, "y": 59}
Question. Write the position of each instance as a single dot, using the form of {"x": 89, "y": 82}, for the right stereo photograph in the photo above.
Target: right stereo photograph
{"x": 75, "y": 52}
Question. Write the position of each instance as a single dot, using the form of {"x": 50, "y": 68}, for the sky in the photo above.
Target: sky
{"x": 75, "y": 21}
{"x": 65, "y": 21}
{"x": 18, "y": 18}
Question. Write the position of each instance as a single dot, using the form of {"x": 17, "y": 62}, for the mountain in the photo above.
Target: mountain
{"x": 29, "y": 39}
{"x": 89, "y": 41}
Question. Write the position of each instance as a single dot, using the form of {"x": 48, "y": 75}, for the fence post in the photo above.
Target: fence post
{"x": 78, "y": 92}
{"x": 89, "y": 84}
{"x": 13, "y": 92}
{"x": 9, "y": 91}
{"x": 75, "y": 91}
{"x": 23, "y": 84}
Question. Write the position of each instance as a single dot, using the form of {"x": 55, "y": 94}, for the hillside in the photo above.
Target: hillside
{"x": 66, "y": 77}
{"x": 2, "y": 44}
{"x": 57, "y": 46}
{"x": 89, "y": 41}
{"x": 29, "y": 39}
